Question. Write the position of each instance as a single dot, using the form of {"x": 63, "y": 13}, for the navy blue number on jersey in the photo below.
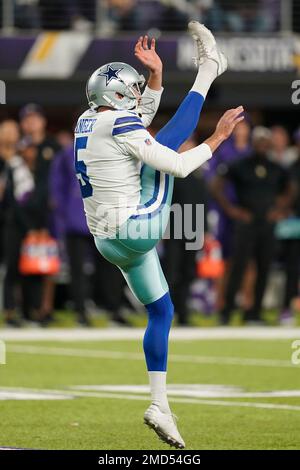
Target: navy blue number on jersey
{"x": 80, "y": 167}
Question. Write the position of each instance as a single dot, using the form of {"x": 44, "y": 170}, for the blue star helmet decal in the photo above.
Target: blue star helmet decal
{"x": 110, "y": 74}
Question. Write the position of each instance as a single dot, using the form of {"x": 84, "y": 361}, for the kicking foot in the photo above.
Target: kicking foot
{"x": 207, "y": 47}
{"x": 164, "y": 425}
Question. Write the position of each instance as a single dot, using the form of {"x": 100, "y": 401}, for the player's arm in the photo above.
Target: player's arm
{"x": 136, "y": 141}
{"x": 153, "y": 91}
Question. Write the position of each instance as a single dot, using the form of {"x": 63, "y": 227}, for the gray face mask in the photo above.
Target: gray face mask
{"x": 146, "y": 105}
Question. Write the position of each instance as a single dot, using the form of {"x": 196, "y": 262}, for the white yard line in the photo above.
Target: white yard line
{"x": 119, "y": 355}
{"x": 178, "y": 334}
{"x": 123, "y": 396}
{"x": 197, "y": 391}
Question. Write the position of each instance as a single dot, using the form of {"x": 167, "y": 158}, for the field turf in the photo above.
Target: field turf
{"x": 68, "y": 394}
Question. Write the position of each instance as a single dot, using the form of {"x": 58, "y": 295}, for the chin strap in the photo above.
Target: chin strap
{"x": 109, "y": 101}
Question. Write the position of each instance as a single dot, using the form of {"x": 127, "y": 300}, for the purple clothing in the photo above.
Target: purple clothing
{"x": 271, "y": 9}
{"x": 65, "y": 197}
{"x": 224, "y": 156}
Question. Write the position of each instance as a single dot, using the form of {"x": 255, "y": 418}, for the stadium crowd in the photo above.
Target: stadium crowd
{"x": 250, "y": 190}
{"x": 132, "y": 15}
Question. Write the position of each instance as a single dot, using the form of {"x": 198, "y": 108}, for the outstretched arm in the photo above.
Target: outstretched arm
{"x": 141, "y": 145}
{"x": 152, "y": 94}
{"x": 225, "y": 127}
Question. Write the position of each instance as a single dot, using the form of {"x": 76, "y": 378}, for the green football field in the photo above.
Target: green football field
{"x": 228, "y": 394}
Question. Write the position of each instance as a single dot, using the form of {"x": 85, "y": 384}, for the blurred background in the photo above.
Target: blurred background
{"x": 248, "y": 270}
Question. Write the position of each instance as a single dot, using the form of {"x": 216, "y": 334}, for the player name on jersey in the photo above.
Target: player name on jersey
{"x": 85, "y": 126}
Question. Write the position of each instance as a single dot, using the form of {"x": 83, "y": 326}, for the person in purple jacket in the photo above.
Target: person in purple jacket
{"x": 69, "y": 224}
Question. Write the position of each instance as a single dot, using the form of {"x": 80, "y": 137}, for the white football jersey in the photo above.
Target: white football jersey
{"x": 110, "y": 147}
{"x": 109, "y": 179}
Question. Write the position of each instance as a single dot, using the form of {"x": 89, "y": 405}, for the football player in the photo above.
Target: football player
{"x": 126, "y": 179}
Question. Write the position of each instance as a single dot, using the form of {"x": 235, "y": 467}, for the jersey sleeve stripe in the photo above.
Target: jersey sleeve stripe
{"x": 125, "y": 129}
{"x": 127, "y": 120}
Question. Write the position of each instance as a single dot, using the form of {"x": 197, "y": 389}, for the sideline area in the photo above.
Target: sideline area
{"x": 177, "y": 333}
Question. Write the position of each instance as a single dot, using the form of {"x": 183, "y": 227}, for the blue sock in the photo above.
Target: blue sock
{"x": 160, "y": 315}
{"x": 182, "y": 125}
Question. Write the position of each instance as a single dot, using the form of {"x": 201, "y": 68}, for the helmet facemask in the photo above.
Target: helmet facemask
{"x": 132, "y": 99}
{"x": 122, "y": 94}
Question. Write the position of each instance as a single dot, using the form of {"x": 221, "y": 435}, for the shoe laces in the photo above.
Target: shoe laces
{"x": 202, "y": 51}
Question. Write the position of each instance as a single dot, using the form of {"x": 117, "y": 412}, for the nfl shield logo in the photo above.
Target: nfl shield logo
{"x": 148, "y": 142}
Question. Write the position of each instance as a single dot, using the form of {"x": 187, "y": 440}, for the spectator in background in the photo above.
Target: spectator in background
{"x": 291, "y": 246}
{"x": 254, "y": 16}
{"x": 34, "y": 126}
{"x": 134, "y": 15}
{"x": 82, "y": 14}
{"x": 281, "y": 151}
{"x": 69, "y": 224}
{"x": 286, "y": 155}
{"x": 9, "y": 136}
{"x": 178, "y": 262}
{"x": 150, "y": 15}
{"x": 173, "y": 18}
{"x": 124, "y": 13}
{"x": 211, "y": 14}
{"x": 270, "y": 11}
{"x": 85, "y": 9}
{"x": 295, "y": 16}
{"x": 25, "y": 204}
{"x": 55, "y": 14}
{"x": 234, "y": 149}
{"x": 27, "y": 14}
{"x": 64, "y": 138}
{"x": 262, "y": 190}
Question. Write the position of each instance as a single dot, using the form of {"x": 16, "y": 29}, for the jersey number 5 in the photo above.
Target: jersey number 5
{"x": 80, "y": 167}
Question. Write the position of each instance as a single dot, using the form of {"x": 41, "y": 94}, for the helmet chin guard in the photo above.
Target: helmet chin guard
{"x": 146, "y": 105}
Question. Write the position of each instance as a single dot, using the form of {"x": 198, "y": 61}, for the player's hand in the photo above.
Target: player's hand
{"x": 275, "y": 215}
{"x": 240, "y": 214}
{"x": 147, "y": 55}
{"x": 228, "y": 122}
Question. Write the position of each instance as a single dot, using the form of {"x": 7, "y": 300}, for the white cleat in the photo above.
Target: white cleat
{"x": 164, "y": 425}
{"x": 207, "y": 47}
